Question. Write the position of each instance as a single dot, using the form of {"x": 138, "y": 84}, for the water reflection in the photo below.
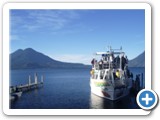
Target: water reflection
{"x": 128, "y": 102}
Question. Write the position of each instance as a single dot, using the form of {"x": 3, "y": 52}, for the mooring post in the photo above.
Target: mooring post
{"x": 36, "y": 81}
{"x": 29, "y": 83}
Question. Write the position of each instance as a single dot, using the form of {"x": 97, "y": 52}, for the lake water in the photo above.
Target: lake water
{"x": 65, "y": 89}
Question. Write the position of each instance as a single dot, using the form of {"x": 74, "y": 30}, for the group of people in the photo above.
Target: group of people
{"x": 126, "y": 73}
{"x": 108, "y": 60}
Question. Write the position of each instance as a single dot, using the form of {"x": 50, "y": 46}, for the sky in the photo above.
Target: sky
{"x": 75, "y": 35}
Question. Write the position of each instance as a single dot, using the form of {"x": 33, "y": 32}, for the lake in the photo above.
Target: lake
{"x": 65, "y": 89}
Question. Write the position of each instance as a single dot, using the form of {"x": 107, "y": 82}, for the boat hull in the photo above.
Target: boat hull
{"x": 109, "y": 92}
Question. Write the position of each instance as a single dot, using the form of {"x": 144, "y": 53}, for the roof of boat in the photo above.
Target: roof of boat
{"x": 108, "y": 53}
{"x": 111, "y": 51}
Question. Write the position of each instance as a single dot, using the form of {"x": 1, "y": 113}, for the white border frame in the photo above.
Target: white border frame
{"x": 103, "y": 5}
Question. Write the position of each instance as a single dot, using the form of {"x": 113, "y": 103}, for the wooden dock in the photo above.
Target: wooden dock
{"x": 15, "y": 90}
{"x": 30, "y": 85}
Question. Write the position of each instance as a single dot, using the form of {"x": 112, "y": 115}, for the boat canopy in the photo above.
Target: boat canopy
{"x": 111, "y": 51}
{"x": 108, "y": 53}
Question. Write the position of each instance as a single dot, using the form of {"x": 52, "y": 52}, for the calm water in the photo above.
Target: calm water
{"x": 64, "y": 89}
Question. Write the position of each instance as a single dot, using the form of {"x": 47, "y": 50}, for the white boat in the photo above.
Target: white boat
{"x": 110, "y": 77}
{"x": 15, "y": 95}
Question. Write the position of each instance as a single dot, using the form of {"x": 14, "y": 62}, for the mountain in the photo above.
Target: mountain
{"x": 139, "y": 61}
{"x": 29, "y": 59}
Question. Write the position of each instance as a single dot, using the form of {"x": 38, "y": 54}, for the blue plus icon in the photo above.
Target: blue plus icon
{"x": 147, "y": 99}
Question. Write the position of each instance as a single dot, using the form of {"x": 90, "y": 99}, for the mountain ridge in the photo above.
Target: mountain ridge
{"x": 29, "y": 58}
{"x": 138, "y": 61}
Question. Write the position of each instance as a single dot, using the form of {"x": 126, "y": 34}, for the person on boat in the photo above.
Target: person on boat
{"x": 117, "y": 61}
{"x": 126, "y": 71}
{"x": 92, "y": 73}
{"x": 114, "y": 75}
{"x": 100, "y": 64}
{"x": 104, "y": 57}
{"x": 124, "y": 62}
{"x": 93, "y": 62}
{"x": 126, "y": 59}
{"x": 137, "y": 82}
{"x": 117, "y": 74}
{"x": 131, "y": 75}
{"x": 111, "y": 58}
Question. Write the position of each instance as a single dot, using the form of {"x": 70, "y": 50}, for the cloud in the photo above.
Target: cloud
{"x": 48, "y": 19}
{"x": 85, "y": 59}
{"x": 52, "y": 21}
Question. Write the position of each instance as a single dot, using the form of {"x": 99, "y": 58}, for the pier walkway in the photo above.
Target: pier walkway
{"x": 16, "y": 91}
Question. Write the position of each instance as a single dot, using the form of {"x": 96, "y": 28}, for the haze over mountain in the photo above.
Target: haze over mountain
{"x": 29, "y": 59}
{"x": 139, "y": 61}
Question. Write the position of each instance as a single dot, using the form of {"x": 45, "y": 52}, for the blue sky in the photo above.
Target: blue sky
{"x": 75, "y": 35}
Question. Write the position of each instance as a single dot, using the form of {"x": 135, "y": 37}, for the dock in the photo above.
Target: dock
{"x": 30, "y": 85}
{"x": 16, "y": 91}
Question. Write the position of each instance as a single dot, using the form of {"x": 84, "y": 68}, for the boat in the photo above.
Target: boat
{"x": 110, "y": 77}
{"x": 14, "y": 93}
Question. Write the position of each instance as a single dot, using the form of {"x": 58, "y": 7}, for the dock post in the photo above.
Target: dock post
{"x": 29, "y": 83}
{"x": 36, "y": 81}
